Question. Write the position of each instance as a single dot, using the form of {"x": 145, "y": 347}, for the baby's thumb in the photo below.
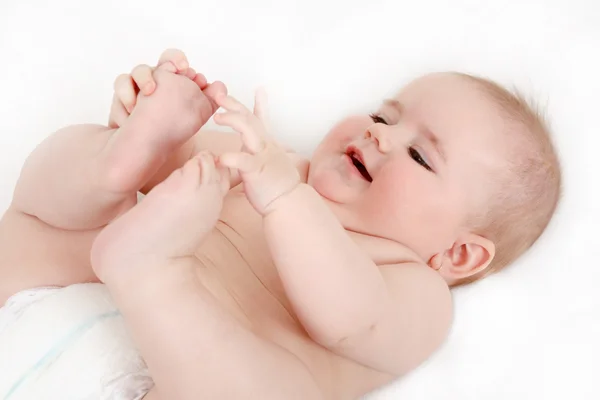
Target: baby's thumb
{"x": 261, "y": 105}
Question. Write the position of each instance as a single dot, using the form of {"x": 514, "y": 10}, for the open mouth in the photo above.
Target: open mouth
{"x": 358, "y": 162}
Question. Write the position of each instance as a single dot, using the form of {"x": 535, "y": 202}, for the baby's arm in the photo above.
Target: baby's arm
{"x": 390, "y": 317}
{"x": 192, "y": 346}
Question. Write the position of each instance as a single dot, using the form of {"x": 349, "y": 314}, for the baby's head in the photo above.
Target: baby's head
{"x": 455, "y": 167}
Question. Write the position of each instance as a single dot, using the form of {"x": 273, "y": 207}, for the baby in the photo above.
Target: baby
{"x": 248, "y": 272}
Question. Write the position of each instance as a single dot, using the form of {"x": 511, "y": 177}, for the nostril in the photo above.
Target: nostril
{"x": 371, "y": 135}
{"x": 380, "y": 139}
{"x": 374, "y": 137}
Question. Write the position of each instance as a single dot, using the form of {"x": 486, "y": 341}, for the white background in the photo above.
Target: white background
{"x": 529, "y": 333}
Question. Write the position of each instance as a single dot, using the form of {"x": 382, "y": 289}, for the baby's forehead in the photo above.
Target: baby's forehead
{"x": 445, "y": 85}
{"x": 446, "y": 98}
{"x": 455, "y": 109}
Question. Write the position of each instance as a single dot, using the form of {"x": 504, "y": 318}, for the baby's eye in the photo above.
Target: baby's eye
{"x": 377, "y": 119}
{"x": 415, "y": 155}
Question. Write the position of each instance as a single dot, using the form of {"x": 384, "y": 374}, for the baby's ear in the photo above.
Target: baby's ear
{"x": 469, "y": 255}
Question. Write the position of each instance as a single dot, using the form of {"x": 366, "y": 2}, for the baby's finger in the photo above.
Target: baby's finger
{"x": 260, "y": 104}
{"x": 243, "y": 162}
{"x": 142, "y": 76}
{"x": 251, "y": 135}
{"x": 231, "y": 104}
{"x": 126, "y": 91}
{"x": 176, "y": 56}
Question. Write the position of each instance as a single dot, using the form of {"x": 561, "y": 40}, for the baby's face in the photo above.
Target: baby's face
{"x": 414, "y": 171}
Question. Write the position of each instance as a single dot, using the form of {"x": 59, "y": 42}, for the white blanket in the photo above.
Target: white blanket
{"x": 529, "y": 333}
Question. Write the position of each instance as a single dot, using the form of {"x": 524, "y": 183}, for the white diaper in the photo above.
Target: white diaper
{"x": 69, "y": 344}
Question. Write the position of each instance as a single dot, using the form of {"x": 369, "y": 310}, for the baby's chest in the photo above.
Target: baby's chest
{"x": 236, "y": 266}
{"x": 234, "y": 263}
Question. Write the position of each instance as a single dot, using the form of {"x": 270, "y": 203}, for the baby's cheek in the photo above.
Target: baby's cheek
{"x": 386, "y": 201}
{"x": 403, "y": 195}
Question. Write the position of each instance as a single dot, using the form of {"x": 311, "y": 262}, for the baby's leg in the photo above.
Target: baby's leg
{"x": 193, "y": 347}
{"x": 83, "y": 176}
{"x": 169, "y": 224}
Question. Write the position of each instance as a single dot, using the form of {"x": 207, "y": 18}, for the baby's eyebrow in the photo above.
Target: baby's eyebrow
{"x": 429, "y": 135}
{"x": 394, "y": 104}
{"x": 423, "y": 130}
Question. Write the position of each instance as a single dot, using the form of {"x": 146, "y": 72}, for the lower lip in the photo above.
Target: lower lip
{"x": 352, "y": 167}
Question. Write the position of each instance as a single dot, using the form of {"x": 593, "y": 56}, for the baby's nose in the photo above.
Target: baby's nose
{"x": 380, "y": 135}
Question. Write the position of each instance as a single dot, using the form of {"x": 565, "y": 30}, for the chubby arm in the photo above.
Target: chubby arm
{"x": 389, "y": 318}
{"x": 322, "y": 269}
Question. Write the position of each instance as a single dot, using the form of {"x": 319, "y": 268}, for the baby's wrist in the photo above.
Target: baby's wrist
{"x": 293, "y": 198}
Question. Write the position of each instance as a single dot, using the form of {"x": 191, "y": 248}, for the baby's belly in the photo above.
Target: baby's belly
{"x": 241, "y": 276}
{"x": 243, "y": 280}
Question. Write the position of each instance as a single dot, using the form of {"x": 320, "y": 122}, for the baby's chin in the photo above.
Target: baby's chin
{"x": 331, "y": 189}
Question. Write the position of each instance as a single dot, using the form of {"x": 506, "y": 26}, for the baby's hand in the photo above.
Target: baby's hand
{"x": 140, "y": 80}
{"x": 265, "y": 168}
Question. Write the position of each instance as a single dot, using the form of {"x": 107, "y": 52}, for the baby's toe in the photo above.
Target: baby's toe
{"x": 175, "y": 56}
{"x": 142, "y": 76}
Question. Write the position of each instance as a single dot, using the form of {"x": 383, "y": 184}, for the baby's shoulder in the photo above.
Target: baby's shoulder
{"x": 415, "y": 284}
{"x": 415, "y": 277}
{"x": 414, "y": 319}
{"x": 420, "y": 314}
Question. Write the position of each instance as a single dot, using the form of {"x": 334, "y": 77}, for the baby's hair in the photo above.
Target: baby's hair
{"x": 529, "y": 188}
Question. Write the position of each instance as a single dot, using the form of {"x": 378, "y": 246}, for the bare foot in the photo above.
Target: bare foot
{"x": 170, "y": 223}
{"x": 154, "y": 119}
{"x": 83, "y": 176}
